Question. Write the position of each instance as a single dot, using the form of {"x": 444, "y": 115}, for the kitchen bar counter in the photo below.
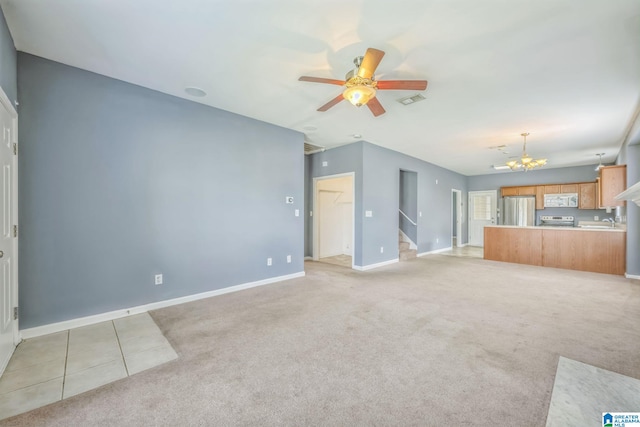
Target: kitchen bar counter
{"x": 586, "y": 249}
{"x": 587, "y": 228}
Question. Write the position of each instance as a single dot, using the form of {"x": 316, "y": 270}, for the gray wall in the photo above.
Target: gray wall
{"x": 377, "y": 188}
{"x": 543, "y": 176}
{"x": 345, "y": 159}
{"x": 118, "y": 183}
{"x": 8, "y": 60}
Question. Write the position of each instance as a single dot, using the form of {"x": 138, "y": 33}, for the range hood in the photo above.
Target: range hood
{"x": 632, "y": 193}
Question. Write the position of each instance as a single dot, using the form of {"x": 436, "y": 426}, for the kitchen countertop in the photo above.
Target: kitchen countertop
{"x": 617, "y": 229}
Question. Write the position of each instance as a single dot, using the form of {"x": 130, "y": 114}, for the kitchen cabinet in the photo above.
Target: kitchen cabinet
{"x": 518, "y": 191}
{"x": 599, "y": 251}
{"x": 569, "y": 188}
{"x": 540, "y": 197}
{"x": 527, "y": 191}
{"x": 613, "y": 181}
{"x": 509, "y": 191}
{"x": 552, "y": 189}
{"x": 587, "y": 198}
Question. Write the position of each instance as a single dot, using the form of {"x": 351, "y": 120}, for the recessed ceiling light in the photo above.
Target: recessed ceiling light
{"x": 357, "y": 136}
{"x": 195, "y": 91}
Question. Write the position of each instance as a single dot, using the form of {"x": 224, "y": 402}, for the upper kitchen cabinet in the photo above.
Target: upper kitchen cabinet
{"x": 613, "y": 181}
{"x": 518, "y": 191}
{"x": 527, "y": 191}
{"x": 588, "y": 196}
{"x": 509, "y": 191}
{"x": 552, "y": 189}
{"x": 569, "y": 188}
{"x": 540, "y": 197}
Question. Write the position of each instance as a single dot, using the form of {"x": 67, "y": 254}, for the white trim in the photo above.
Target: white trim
{"x": 372, "y": 266}
{"x": 631, "y": 276}
{"x": 459, "y": 216}
{"x": 116, "y": 314}
{"x": 462, "y": 245}
{"x": 308, "y": 258}
{"x": 435, "y": 251}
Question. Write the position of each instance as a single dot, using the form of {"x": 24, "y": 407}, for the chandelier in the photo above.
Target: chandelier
{"x": 526, "y": 162}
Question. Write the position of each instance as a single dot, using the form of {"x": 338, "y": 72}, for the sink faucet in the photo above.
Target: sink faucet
{"x": 613, "y": 224}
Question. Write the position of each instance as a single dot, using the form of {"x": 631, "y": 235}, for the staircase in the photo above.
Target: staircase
{"x": 405, "y": 252}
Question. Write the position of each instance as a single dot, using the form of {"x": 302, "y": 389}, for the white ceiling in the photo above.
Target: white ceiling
{"x": 567, "y": 71}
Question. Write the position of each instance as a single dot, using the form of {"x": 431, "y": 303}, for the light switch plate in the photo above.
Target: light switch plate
{"x": 368, "y": 214}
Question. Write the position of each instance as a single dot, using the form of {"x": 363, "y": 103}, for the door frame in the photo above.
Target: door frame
{"x": 8, "y": 105}
{"x": 315, "y": 251}
{"x": 494, "y": 212}
{"x": 457, "y": 194}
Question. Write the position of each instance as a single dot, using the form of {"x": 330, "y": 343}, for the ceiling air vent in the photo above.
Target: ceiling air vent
{"x": 411, "y": 99}
{"x": 310, "y": 148}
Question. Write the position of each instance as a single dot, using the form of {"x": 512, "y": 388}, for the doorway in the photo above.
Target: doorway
{"x": 482, "y": 211}
{"x": 333, "y": 227}
{"x": 456, "y": 218}
{"x": 8, "y": 231}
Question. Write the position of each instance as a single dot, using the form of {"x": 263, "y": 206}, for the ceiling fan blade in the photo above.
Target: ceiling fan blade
{"x": 375, "y": 107}
{"x": 331, "y": 103}
{"x": 321, "y": 80}
{"x": 402, "y": 84}
{"x": 370, "y": 62}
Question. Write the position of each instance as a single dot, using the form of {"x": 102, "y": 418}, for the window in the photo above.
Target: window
{"x": 482, "y": 208}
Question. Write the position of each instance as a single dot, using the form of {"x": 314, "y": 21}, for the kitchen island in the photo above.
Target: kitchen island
{"x": 599, "y": 250}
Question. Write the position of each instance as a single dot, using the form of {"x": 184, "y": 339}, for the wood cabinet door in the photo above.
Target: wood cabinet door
{"x": 569, "y": 188}
{"x": 552, "y": 189}
{"x": 587, "y": 198}
{"x": 540, "y": 197}
{"x": 509, "y": 191}
{"x": 613, "y": 181}
{"x": 527, "y": 191}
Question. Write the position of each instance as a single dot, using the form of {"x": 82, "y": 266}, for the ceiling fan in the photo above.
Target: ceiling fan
{"x": 361, "y": 85}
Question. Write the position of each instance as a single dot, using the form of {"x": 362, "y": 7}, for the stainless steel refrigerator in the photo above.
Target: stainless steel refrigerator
{"x": 519, "y": 211}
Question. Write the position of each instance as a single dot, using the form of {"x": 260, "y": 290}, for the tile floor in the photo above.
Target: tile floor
{"x": 46, "y": 369}
{"x": 465, "y": 252}
{"x": 343, "y": 260}
{"x": 582, "y": 393}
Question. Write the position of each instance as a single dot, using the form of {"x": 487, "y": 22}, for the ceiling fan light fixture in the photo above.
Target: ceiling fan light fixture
{"x": 526, "y": 162}
{"x": 359, "y": 95}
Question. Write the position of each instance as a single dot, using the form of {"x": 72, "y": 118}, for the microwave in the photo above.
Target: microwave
{"x": 565, "y": 200}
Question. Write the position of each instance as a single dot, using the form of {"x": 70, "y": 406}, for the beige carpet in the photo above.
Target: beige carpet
{"x": 435, "y": 341}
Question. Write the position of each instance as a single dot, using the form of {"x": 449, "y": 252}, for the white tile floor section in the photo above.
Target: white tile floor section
{"x": 46, "y": 369}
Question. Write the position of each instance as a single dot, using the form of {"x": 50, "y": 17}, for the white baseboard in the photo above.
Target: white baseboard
{"x": 631, "y": 276}
{"x": 308, "y": 258}
{"x": 462, "y": 245}
{"x": 116, "y": 314}
{"x": 435, "y": 251}
{"x": 372, "y": 266}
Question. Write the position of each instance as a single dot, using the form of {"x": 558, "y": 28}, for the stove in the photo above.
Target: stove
{"x": 556, "y": 221}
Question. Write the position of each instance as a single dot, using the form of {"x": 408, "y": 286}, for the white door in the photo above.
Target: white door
{"x": 8, "y": 243}
{"x": 482, "y": 211}
{"x": 330, "y": 218}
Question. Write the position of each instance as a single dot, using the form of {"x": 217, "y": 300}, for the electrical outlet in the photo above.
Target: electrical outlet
{"x": 288, "y": 259}
{"x": 325, "y": 164}
{"x": 596, "y": 217}
{"x": 436, "y": 182}
{"x": 437, "y": 240}
{"x": 297, "y": 212}
{"x": 269, "y": 261}
{"x": 158, "y": 279}
{"x": 381, "y": 249}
